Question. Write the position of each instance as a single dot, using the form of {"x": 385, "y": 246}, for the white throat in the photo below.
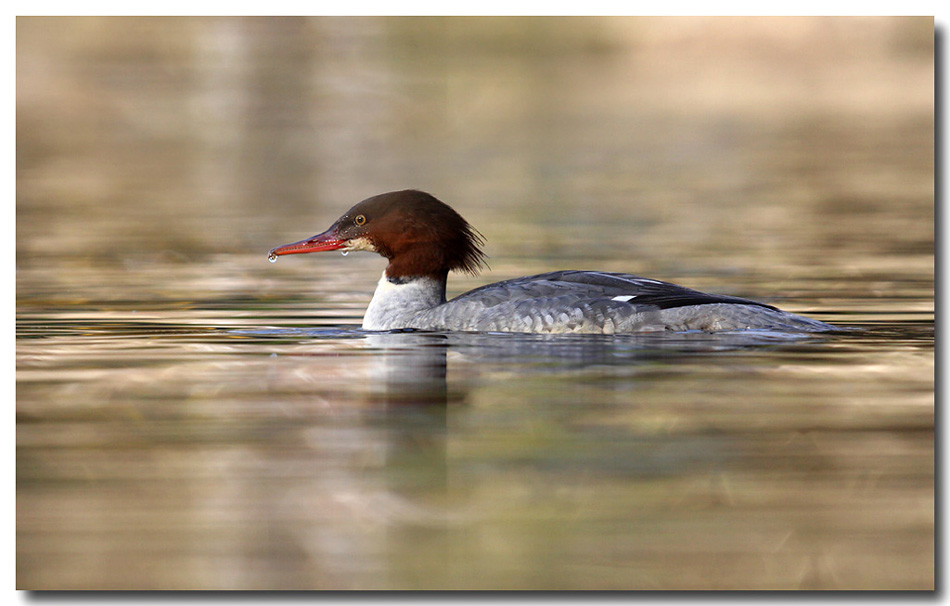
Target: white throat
{"x": 396, "y": 305}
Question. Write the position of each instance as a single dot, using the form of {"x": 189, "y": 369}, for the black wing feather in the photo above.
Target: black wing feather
{"x": 642, "y": 291}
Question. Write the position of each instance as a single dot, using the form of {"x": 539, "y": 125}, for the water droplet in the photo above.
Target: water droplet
{"x": 345, "y": 252}
{"x": 272, "y": 258}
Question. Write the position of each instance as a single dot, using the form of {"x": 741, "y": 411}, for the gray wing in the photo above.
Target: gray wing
{"x": 599, "y": 288}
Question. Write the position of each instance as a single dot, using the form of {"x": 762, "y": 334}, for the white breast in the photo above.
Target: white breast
{"x": 395, "y": 305}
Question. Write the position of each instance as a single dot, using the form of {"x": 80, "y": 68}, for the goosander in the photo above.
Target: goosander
{"x": 424, "y": 239}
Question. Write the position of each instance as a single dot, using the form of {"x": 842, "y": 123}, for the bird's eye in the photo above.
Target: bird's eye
{"x": 360, "y": 219}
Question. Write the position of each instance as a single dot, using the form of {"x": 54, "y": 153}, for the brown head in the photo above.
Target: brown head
{"x": 420, "y": 235}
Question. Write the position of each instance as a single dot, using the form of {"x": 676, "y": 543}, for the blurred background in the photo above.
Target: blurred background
{"x": 789, "y": 160}
{"x": 168, "y": 138}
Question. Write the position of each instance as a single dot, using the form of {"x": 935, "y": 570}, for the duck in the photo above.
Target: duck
{"x": 424, "y": 239}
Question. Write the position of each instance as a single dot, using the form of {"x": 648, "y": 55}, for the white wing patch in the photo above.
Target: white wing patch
{"x": 624, "y": 298}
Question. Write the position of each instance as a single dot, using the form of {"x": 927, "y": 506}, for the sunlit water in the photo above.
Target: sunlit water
{"x": 192, "y": 416}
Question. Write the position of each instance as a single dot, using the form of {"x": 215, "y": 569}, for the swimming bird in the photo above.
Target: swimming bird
{"x": 424, "y": 239}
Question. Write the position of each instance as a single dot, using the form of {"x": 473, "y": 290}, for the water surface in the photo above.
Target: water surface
{"x": 271, "y": 443}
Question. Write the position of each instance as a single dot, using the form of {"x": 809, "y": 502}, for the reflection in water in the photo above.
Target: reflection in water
{"x": 562, "y": 352}
{"x": 408, "y": 379}
{"x": 337, "y": 458}
{"x": 411, "y": 370}
{"x": 413, "y": 367}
